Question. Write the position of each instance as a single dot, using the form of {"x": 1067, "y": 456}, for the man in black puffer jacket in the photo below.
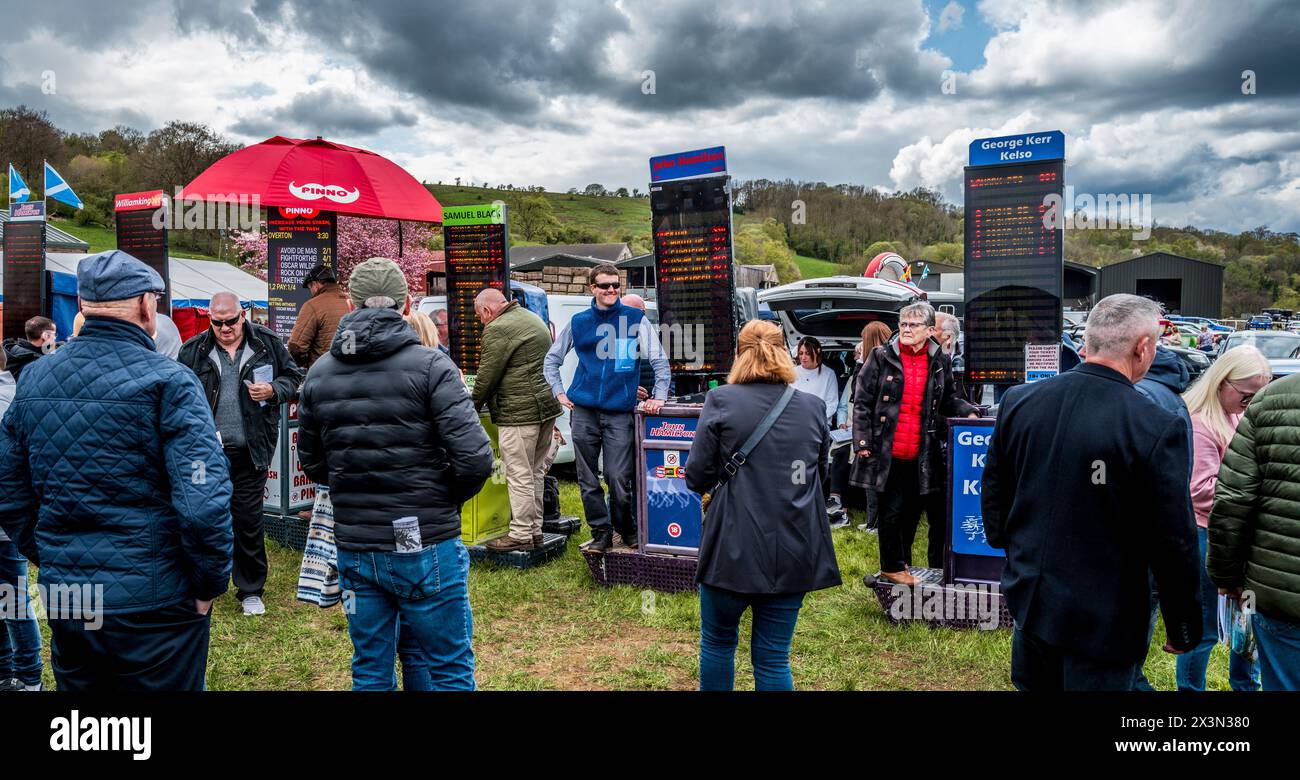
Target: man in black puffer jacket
{"x": 389, "y": 426}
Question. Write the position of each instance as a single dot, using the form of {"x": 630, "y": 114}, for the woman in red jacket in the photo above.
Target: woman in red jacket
{"x": 903, "y": 396}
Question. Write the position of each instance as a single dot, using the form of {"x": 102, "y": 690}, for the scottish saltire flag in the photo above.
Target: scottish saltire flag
{"x": 18, "y": 190}
{"x": 58, "y": 189}
{"x": 925, "y": 272}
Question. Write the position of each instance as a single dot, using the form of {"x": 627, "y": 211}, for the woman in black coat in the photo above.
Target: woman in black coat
{"x": 765, "y": 542}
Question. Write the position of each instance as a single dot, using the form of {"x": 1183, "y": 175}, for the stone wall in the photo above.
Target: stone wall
{"x": 561, "y": 280}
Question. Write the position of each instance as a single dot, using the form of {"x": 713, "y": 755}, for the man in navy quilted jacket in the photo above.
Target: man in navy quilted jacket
{"x": 112, "y": 481}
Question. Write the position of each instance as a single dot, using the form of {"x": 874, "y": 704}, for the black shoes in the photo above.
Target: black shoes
{"x": 630, "y": 541}
{"x": 601, "y": 540}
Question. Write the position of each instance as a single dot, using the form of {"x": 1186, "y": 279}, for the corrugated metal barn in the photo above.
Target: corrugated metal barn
{"x": 1192, "y": 288}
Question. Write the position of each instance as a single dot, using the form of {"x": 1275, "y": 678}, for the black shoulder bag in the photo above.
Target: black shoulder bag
{"x": 741, "y": 456}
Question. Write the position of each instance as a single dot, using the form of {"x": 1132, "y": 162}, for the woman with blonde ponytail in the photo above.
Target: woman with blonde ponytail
{"x": 765, "y": 542}
{"x": 1216, "y": 403}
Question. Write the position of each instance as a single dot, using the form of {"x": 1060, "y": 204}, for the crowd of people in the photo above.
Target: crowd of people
{"x": 142, "y": 476}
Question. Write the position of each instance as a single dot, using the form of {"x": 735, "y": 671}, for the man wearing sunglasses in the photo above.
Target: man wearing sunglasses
{"x": 609, "y": 339}
{"x": 246, "y": 374}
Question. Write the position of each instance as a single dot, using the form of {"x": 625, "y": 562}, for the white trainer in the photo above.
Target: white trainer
{"x": 253, "y": 606}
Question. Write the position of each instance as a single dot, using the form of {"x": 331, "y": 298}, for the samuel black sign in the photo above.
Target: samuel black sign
{"x": 475, "y": 239}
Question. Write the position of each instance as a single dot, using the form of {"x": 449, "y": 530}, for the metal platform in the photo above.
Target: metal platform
{"x": 625, "y": 566}
{"x": 553, "y": 546}
{"x": 960, "y": 605}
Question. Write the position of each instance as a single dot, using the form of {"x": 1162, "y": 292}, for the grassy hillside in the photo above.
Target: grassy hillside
{"x": 102, "y": 238}
{"x": 611, "y": 219}
{"x": 812, "y": 268}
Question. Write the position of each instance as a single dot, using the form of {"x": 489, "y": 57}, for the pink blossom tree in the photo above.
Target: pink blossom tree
{"x": 359, "y": 239}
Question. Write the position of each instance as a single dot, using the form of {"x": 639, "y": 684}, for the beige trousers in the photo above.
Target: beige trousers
{"x": 526, "y": 456}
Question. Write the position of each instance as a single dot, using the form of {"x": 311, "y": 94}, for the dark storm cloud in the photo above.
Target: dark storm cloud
{"x": 219, "y": 17}
{"x": 503, "y": 59}
{"x": 506, "y": 59}
{"x": 324, "y": 112}
{"x": 82, "y": 23}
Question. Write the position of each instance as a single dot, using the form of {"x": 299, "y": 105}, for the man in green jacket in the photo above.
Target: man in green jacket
{"x": 523, "y": 407}
{"x": 1254, "y": 533}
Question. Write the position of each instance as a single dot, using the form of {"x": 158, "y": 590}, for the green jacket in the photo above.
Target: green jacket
{"x": 510, "y": 369}
{"x": 1254, "y": 530}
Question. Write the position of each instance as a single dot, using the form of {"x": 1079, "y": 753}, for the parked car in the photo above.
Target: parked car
{"x": 1282, "y": 348}
{"x": 1199, "y": 321}
{"x": 1260, "y": 322}
{"x": 835, "y": 309}
{"x": 1197, "y": 362}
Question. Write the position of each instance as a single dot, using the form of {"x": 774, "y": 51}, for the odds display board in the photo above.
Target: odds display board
{"x": 1013, "y": 273}
{"x": 696, "y": 277}
{"x": 24, "y": 265}
{"x": 297, "y": 238}
{"x": 137, "y": 235}
{"x": 476, "y": 239}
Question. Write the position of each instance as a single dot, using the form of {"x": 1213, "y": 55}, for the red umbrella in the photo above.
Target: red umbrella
{"x": 319, "y": 174}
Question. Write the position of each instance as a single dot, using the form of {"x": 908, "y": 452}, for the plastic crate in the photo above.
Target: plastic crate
{"x": 289, "y": 530}
{"x": 564, "y": 524}
{"x": 622, "y": 566}
{"x": 553, "y": 546}
{"x": 963, "y": 608}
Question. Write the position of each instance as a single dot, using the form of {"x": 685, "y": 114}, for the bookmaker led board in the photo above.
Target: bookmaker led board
{"x": 133, "y": 212}
{"x": 476, "y": 240}
{"x": 24, "y": 265}
{"x": 297, "y": 238}
{"x": 695, "y": 277}
{"x": 1013, "y": 273}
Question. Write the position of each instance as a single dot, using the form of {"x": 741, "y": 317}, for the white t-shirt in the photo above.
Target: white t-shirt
{"x": 821, "y": 383}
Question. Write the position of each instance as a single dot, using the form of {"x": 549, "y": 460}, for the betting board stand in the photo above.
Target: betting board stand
{"x": 25, "y": 286}
{"x": 142, "y": 233}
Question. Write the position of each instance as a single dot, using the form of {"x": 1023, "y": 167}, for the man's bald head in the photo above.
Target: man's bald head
{"x": 223, "y": 305}
{"x": 634, "y": 300}
{"x": 488, "y": 304}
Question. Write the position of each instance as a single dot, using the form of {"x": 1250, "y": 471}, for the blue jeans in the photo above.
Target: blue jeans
{"x": 20, "y": 636}
{"x": 773, "y": 628}
{"x": 1278, "y": 642}
{"x": 1189, "y": 668}
{"x": 428, "y": 592}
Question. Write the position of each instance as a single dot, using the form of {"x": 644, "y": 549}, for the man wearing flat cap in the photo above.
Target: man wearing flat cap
{"x": 112, "y": 481}
{"x": 318, "y": 318}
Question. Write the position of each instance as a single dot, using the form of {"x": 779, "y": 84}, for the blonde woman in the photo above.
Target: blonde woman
{"x": 423, "y": 327}
{"x": 765, "y": 542}
{"x": 1216, "y": 404}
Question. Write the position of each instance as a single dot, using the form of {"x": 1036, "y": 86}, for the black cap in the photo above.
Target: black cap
{"x": 321, "y": 273}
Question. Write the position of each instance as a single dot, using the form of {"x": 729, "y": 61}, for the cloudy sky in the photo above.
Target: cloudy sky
{"x": 562, "y": 93}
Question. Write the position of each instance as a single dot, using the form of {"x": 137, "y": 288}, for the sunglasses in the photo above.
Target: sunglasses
{"x": 227, "y": 323}
{"x": 1245, "y": 397}
{"x": 608, "y": 285}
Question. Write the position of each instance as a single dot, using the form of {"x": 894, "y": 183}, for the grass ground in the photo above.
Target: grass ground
{"x": 553, "y": 628}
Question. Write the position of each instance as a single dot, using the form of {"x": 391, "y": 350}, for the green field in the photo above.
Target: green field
{"x": 553, "y": 628}
{"x": 101, "y": 238}
{"x": 812, "y": 268}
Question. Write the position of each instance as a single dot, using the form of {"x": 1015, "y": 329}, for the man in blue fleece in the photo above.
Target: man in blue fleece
{"x": 609, "y": 339}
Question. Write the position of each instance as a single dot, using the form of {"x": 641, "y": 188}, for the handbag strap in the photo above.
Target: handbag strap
{"x": 741, "y": 455}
